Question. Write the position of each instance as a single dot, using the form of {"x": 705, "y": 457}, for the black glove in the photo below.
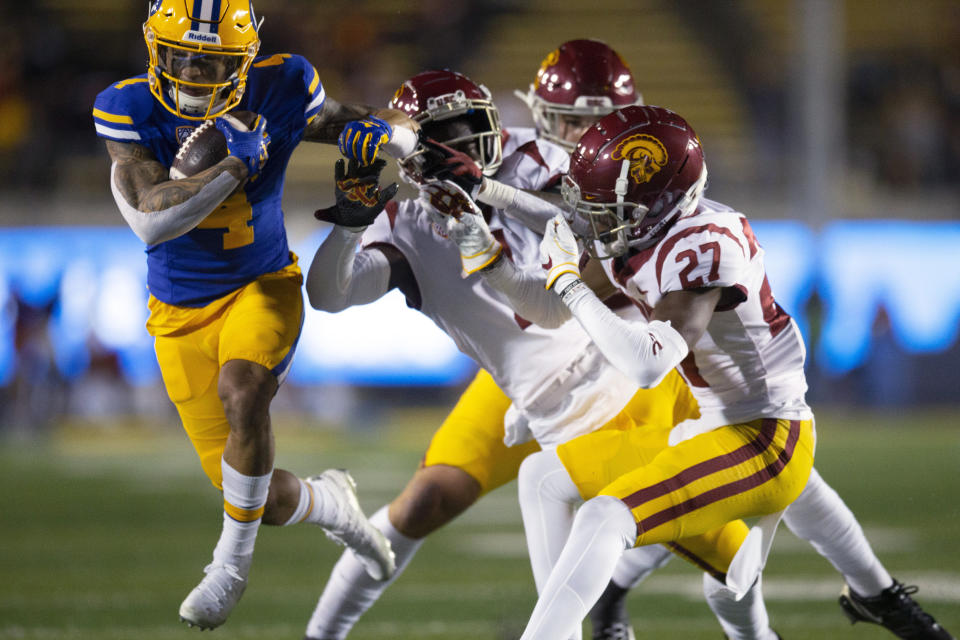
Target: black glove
{"x": 446, "y": 163}
{"x": 359, "y": 196}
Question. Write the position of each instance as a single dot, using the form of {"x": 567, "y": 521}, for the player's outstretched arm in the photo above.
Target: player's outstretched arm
{"x": 339, "y": 277}
{"x": 158, "y": 208}
{"x": 332, "y": 118}
{"x": 644, "y": 351}
{"x": 531, "y": 208}
{"x": 399, "y": 130}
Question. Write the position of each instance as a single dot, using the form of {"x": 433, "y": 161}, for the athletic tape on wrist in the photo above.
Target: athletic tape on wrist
{"x": 496, "y": 194}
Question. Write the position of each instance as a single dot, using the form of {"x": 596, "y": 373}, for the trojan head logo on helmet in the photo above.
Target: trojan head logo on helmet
{"x": 200, "y": 53}
{"x": 632, "y": 175}
{"x": 646, "y": 155}
{"x": 452, "y": 109}
{"x": 577, "y": 84}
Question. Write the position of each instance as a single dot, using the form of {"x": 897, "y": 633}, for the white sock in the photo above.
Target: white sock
{"x": 821, "y": 518}
{"x": 322, "y": 508}
{"x": 745, "y": 619}
{"x": 304, "y": 505}
{"x": 548, "y": 498}
{"x": 602, "y": 530}
{"x": 350, "y": 591}
{"x": 240, "y": 492}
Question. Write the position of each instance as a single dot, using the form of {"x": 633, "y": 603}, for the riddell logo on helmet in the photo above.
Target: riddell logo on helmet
{"x": 646, "y": 154}
{"x": 199, "y": 36}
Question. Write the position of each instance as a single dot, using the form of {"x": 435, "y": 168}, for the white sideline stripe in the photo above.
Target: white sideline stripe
{"x": 117, "y": 133}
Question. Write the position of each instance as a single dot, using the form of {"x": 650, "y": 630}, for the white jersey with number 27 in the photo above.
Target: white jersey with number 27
{"x": 749, "y": 362}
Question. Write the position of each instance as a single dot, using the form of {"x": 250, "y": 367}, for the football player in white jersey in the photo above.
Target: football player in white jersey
{"x": 558, "y": 383}
{"x": 636, "y": 183}
{"x": 578, "y": 83}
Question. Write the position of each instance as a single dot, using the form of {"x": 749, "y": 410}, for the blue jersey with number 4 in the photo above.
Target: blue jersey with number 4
{"x": 244, "y": 237}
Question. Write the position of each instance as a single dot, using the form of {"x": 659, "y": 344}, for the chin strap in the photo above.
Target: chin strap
{"x": 192, "y": 104}
{"x": 620, "y": 187}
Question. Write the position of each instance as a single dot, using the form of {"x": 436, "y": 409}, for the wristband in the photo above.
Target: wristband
{"x": 571, "y": 289}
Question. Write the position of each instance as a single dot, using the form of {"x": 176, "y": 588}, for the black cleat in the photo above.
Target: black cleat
{"x": 894, "y": 609}
{"x": 608, "y": 618}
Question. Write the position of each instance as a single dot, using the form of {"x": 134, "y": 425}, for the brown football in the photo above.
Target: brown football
{"x": 207, "y": 146}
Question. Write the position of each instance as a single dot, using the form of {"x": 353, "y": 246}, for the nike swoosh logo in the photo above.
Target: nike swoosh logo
{"x": 547, "y": 265}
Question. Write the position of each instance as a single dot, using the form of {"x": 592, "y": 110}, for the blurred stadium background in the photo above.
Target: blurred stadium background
{"x": 833, "y": 124}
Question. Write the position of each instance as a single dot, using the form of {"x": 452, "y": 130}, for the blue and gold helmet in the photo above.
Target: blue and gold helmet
{"x": 200, "y": 53}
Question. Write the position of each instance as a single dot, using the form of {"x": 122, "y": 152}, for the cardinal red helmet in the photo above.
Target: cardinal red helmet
{"x": 632, "y": 175}
{"x": 580, "y": 78}
{"x": 434, "y": 97}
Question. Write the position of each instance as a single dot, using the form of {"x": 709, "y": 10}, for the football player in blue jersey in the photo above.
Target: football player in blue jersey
{"x": 225, "y": 290}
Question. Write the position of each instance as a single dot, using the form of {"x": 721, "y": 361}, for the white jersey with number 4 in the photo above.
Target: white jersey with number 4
{"x": 749, "y": 362}
{"x": 556, "y": 378}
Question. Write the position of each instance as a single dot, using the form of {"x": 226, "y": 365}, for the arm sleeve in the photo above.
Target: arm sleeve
{"x": 525, "y": 292}
{"x": 154, "y": 227}
{"x": 536, "y": 166}
{"x": 644, "y": 351}
{"x": 340, "y": 277}
{"x": 526, "y": 208}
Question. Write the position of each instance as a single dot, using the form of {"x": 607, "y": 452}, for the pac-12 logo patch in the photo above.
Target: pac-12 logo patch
{"x": 646, "y": 154}
{"x": 183, "y": 132}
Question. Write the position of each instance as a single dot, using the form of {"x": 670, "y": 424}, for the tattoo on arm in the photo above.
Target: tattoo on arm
{"x": 330, "y": 120}
{"x": 145, "y": 183}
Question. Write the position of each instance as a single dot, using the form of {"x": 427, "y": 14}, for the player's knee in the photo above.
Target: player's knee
{"x": 609, "y": 515}
{"x": 245, "y": 389}
{"x": 434, "y": 497}
{"x": 533, "y": 468}
{"x": 543, "y": 476}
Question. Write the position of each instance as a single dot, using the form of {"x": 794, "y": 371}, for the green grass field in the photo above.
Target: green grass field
{"x": 103, "y": 531}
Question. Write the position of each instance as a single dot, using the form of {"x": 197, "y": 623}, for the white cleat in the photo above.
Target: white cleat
{"x": 352, "y": 529}
{"x": 211, "y": 601}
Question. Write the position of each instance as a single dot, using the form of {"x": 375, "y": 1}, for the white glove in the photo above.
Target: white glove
{"x": 442, "y": 199}
{"x": 450, "y": 207}
{"x": 559, "y": 252}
